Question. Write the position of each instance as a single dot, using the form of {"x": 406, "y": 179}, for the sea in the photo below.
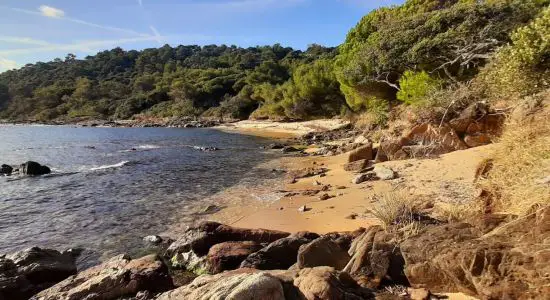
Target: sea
{"x": 110, "y": 187}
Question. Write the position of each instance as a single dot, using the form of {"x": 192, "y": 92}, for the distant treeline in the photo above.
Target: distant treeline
{"x": 403, "y": 54}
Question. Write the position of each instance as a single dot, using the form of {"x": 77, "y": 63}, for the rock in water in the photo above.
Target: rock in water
{"x": 28, "y": 272}
{"x": 5, "y": 169}
{"x": 118, "y": 277}
{"x": 34, "y": 169}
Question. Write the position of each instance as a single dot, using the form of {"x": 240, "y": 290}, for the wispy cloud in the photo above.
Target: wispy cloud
{"x": 140, "y": 2}
{"x": 23, "y": 40}
{"x": 51, "y": 12}
{"x": 6, "y": 64}
{"x": 83, "y": 46}
{"x": 157, "y": 35}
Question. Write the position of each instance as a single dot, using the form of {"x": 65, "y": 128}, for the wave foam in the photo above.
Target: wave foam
{"x": 105, "y": 167}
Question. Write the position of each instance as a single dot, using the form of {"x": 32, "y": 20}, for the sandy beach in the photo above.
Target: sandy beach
{"x": 448, "y": 179}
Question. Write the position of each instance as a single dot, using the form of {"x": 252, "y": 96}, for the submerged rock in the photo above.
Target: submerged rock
{"x": 6, "y": 169}
{"x": 34, "y": 169}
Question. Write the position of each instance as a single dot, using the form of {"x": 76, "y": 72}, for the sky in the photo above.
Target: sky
{"x": 41, "y": 30}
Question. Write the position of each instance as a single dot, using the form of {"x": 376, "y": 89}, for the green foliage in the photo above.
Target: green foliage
{"x": 165, "y": 82}
{"x": 522, "y": 67}
{"x": 415, "y": 87}
{"x": 450, "y": 39}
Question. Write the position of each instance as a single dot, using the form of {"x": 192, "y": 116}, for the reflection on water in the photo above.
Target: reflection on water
{"x": 112, "y": 186}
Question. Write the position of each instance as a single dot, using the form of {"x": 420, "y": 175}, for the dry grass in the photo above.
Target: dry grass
{"x": 520, "y": 165}
{"x": 455, "y": 212}
{"x": 393, "y": 208}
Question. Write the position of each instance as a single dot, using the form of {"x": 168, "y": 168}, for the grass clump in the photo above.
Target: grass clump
{"x": 394, "y": 208}
{"x": 516, "y": 183}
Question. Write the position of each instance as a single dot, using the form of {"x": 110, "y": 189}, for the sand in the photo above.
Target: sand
{"x": 443, "y": 180}
{"x": 276, "y": 130}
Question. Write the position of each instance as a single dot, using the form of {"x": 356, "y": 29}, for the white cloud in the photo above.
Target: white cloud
{"x": 51, "y": 12}
{"x": 23, "y": 40}
{"x": 140, "y": 2}
{"x": 157, "y": 34}
{"x": 6, "y": 64}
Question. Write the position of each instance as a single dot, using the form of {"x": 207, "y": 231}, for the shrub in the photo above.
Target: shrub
{"x": 521, "y": 68}
{"x": 415, "y": 87}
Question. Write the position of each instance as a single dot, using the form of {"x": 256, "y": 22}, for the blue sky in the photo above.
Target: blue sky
{"x": 40, "y": 30}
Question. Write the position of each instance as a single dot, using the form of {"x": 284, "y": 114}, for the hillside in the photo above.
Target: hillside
{"x": 421, "y": 54}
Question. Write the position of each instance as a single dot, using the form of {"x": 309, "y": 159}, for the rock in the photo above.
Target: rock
{"x": 324, "y": 197}
{"x": 153, "y": 239}
{"x": 352, "y": 216}
{"x": 118, "y": 277}
{"x": 276, "y": 146}
{"x": 289, "y": 149}
{"x": 202, "y": 237}
{"x": 361, "y": 139}
{"x": 327, "y": 283}
{"x": 210, "y": 209}
{"x": 190, "y": 261}
{"x": 28, "y": 272}
{"x": 444, "y": 137}
{"x": 322, "y": 252}
{"x": 476, "y": 140}
{"x": 229, "y": 255}
{"x": 5, "y": 169}
{"x": 375, "y": 257}
{"x": 303, "y": 208}
{"x": 280, "y": 254}
{"x": 307, "y": 172}
{"x": 389, "y": 148}
{"x": 34, "y": 169}
{"x": 358, "y": 165}
{"x": 363, "y": 152}
{"x": 384, "y": 173}
{"x": 506, "y": 263}
{"x": 235, "y": 285}
{"x": 419, "y": 294}
{"x": 364, "y": 177}
{"x": 317, "y": 183}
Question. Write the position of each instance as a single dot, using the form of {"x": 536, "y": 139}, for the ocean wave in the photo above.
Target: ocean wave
{"x": 147, "y": 147}
{"x": 105, "y": 167}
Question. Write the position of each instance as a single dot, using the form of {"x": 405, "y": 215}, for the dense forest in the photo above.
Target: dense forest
{"x": 423, "y": 54}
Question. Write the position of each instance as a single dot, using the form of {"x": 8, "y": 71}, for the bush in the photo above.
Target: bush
{"x": 415, "y": 87}
{"x": 521, "y": 68}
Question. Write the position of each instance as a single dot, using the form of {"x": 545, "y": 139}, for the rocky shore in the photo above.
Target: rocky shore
{"x": 359, "y": 220}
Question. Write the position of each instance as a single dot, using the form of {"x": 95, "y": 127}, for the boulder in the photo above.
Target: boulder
{"x": 364, "y": 177}
{"x": 444, "y": 137}
{"x": 34, "y": 169}
{"x": 363, "y": 152}
{"x": 202, "y": 237}
{"x": 280, "y": 254}
{"x": 116, "y": 278}
{"x": 358, "y": 165}
{"x": 190, "y": 261}
{"x": 361, "y": 139}
{"x": 5, "y": 169}
{"x": 243, "y": 284}
{"x": 384, "y": 173}
{"x": 375, "y": 258}
{"x": 390, "y": 150}
{"x": 510, "y": 262}
{"x": 26, "y": 273}
{"x": 289, "y": 149}
{"x": 476, "y": 140}
{"x": 322, "y": 252}
{"x": 229, "y": 255}
{"x": 327, "y": 283}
